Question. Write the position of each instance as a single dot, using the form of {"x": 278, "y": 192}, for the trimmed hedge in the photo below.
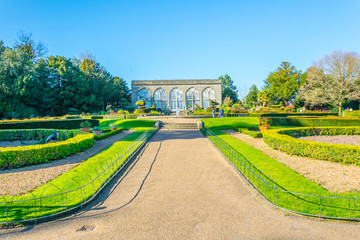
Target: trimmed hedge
{"x": 14, "y": 157}
{"x": 108, "y": 134}
{"x": 290, "y": 114}
{"x": 355, "y": 113}
{"x": 52, "y": 124}
{"x": 283, "y": 139}
{"x": 97, "y": 117}
{"x": 314, "y": 122}
{"x": 34, "y": 134}
{"x": 250, "y": 132}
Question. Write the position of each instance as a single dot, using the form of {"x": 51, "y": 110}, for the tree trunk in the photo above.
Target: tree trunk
{"x": 340, "y": 110}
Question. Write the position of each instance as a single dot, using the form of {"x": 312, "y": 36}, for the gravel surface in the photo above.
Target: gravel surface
{"x": 21, "y": 180}
{"x": 181, "y": 187}
{"x": 339, "y": 139}
{"x": 335, "y": 177}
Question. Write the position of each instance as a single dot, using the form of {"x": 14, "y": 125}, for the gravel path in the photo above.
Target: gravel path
{"x": 335, "y": 177}
{"x": 20, "y": 180}
{"x": 339, "y": 139}
{"x": 181, "y": 187}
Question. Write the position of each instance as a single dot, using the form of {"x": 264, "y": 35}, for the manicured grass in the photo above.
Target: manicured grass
{"x": 127, "y": 123}
{"x": 231, "y": 122}
{"x": 276, "y": 174}
{"x": 82, "y": 174}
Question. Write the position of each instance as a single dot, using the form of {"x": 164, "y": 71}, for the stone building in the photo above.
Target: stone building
{"x": 176, "y": 94}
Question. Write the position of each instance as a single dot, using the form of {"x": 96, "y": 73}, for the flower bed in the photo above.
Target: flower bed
{"x": 286, "y": 141}
{"x": 14, "y": 157}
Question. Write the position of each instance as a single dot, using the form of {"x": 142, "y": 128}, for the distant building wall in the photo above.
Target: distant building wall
{"x": 211, "y": 88}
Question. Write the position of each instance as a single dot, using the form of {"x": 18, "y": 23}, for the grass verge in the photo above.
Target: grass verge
{"x": 283, "y": 186}
{"x": 74, "y": 187}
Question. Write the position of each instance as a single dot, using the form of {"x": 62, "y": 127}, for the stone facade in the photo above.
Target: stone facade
{"x": 176, "y": 94}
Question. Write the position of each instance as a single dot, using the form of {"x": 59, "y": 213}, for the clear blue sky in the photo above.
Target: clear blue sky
{"x": 140, "y": 40}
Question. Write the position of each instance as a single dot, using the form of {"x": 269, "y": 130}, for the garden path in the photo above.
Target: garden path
{"x": 181, "y": 187}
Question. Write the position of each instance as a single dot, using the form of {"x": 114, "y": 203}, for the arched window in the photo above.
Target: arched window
{"x": 176, "y": 99}
{"x": 192, "y": 98}
{"x": 160, "y": 98}
{"x": 144, "y": 95}
{"x": 208, "y": 95}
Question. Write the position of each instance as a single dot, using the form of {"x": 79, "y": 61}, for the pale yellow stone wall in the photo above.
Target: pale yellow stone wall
{"x": 183, "y": 85}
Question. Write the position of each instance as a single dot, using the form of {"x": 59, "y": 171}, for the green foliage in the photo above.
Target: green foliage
{"x": 283, "y": 84}
{"x": 250, "y": 133}
{"x": 314, "y": 122}
{"x": 284, "y": 140}
{"x": 52, "y": 124}
{"x": 231, "y": 122}
{"x": 276, "y": 174}
{"x": 108, "y": 134}
{"x": 140, "y": 103}
{"x": 291, "y": 114}
{"x": 35, "y": 134}
{"x": 14, "y": 157}
{"x": 355, "y": 113}
{"x": 128, "y": 123}
{"x": 69, "y": 182}
{"x": 227, "y": 88}
{"x": 251, "y": 98}
{"x": 85, "y": 124}
{"x": 264, "y": 121}
{"x": 33, "y": 85}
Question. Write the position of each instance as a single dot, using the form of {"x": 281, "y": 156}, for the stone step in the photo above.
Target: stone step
{"x": 179, "y": 125}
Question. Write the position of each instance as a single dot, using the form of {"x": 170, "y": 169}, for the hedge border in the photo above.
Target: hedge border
{"x": 314, "y": 122}
{"x": 52, "y": 124}
{"x": 14, "y": 157}
{"x": 108, "y": 134}
{"x": 280, "y": 139}
{"x": 249, "y": 132}
{"x": 290, "y": 114}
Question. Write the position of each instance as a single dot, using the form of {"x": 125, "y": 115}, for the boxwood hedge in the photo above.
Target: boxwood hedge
{"x": 13, "y": 157}
{"x": 284, "y": 140}
{"x": 314, "y": 122}
{"x": 35, "y": 134}
{"x": 249, "y": 132}
{"x": 52, "y": 124}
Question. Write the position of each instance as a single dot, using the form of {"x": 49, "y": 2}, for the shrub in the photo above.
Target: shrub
{"x": 282, "y": 139}
{"x": 264, "y": 121}
{"x": 14, "y": 157}
{"x": 97, "y": 117}
{"x": 314, "y": 122}
{"x": 266, "y": 114}
{"x": 355, "y": 113}
{"x": 52, "y": 124}
{"x": 35, "y": 134}
{"x": 208, "y": 110}
{"x": 108, "y": 134}
{"x": 236, "y": 105}
{"x": 140, "y": 103}
{"x": 154, "y": 112}
{"x": 250, "y": 133}
{"x": 85, "y": 124}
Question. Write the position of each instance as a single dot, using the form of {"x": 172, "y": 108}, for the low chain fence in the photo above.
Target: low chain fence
{"x": 333, "y": 207}
{"x": 34, "y": 207}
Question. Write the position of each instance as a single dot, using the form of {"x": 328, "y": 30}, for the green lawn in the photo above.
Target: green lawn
{"x": 277, "y": 174}
{"x": 127, "y": 123}
{"x": 71, "y": 181}
{"x": 231, "y": 122}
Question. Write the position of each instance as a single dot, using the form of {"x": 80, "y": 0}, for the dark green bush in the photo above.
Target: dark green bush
{"x": 314, "y": 122}
{"x": 97, "y": 117}
{"x": 282, "y": 139}
{"x": 52, "y": 124}
{"x": 35, "y": 134}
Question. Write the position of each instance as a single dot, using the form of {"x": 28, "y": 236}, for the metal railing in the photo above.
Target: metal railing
{"x": 34, "y": 208}
{"x": 333, "y": 207}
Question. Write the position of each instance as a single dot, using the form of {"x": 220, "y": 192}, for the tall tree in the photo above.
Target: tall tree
{"x": 283, "y": 84}
{"x": 227, "y": 88}
{"x": 333, "y": 79}
{"x": 251, "y": 98}
{"x": 263, "y": 97}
